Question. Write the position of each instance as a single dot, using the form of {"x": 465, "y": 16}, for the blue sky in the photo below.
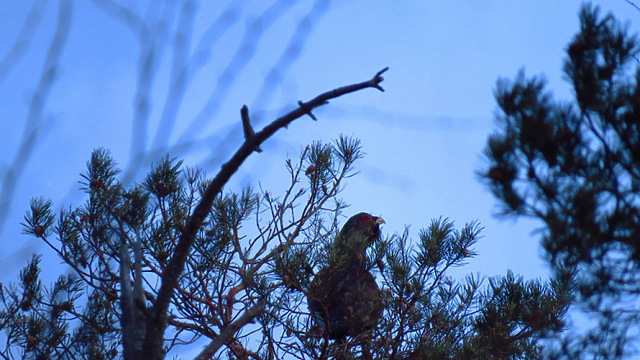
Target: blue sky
{"x": 423, "y": 136}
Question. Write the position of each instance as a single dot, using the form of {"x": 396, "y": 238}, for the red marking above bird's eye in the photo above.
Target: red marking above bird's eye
{"x": 365, "y": 218}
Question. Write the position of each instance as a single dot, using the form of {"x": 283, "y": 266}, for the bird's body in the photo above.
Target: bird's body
{"x": 345, "y": 302}
{"x": 344, "y": 298}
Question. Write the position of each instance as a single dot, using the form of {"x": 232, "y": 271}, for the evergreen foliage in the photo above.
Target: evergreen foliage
{"x": 253, "y": 259}
{"x": 576, "y": 167}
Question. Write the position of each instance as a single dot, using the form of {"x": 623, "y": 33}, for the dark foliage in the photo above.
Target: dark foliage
{"x": 576, "y": 167}
{"x": 254, "y": 259}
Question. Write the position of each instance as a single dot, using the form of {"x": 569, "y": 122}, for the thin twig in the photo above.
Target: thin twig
{"x": 633, "y": 4}
{"x": 157, "y": 320}
{"x": 228, "y": 333}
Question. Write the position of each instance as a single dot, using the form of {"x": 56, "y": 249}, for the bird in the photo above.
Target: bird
{"x": 343, "y": 297}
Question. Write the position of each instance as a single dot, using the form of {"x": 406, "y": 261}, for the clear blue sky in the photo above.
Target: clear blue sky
{"x": 423, "y": 136}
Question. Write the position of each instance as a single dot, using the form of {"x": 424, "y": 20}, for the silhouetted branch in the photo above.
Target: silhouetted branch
{"x": 288, "y": 57}
{"x": 271, "y": 81}
{"x": 246, "y": 125}
{"x": 24, "y": 38}
{"x": 129, "y": 338}
{"x": 131, "y": 301}
{"x": 34, "y": 122}
{"x": 180, "y": 72}
{"x": 181, "y": 76}
{"x": 633, "y": 4}
{"x": 242, "y": 56}
{"x": 228, "y": 333}
{"x": 125, "y": 15}
{"x": 157, "y": 321}
{"x": 152, "y": 43}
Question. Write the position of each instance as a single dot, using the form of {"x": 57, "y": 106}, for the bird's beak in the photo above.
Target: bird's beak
{"x": 379, "y": 221}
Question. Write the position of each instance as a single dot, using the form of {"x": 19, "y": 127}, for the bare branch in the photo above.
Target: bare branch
{"x": 246, "y": 125}
{"x": 244, "y": 53}
{"x": 180, "y": 73}
{"x": 157, "y": 320}
{"x": 151, "y": 51}
{"x": 228, "y": 333}
{"x": 23, "y": 40}
{"x": 126, "y": 304}
{"x": 633, "y": 4}
{"x": 34, "y": 125}
{"x": 294, "y": 48}
{"x": 123, "y": 14}
{"x": 132, "y": 300}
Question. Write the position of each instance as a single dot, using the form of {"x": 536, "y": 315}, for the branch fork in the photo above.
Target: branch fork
{"x": 247, "y": 128}
{"x": 157, "y": 319}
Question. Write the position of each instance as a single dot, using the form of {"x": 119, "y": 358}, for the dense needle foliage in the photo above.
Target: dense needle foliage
{"x": 258, "y": 251}
{"x": 576, "y": 167}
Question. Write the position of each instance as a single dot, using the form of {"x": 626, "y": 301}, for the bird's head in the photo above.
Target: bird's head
{"x": 359, "y": 232}
{"x": 362, "y": 224}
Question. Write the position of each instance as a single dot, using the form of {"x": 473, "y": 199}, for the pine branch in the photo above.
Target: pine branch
{"x": 157, "y": 321}
{"x": 129, "y": 334}
{"x": 246, "y": 125}
{"x": 230, "y": 331}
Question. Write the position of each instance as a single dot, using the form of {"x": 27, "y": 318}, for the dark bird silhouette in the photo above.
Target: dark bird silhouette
{"x": 344, "y": 298}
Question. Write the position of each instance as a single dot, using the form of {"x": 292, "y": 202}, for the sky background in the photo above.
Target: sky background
{"x": 423, "y": 137}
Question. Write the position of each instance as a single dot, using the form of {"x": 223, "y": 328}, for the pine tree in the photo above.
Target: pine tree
{"x": 576, "y": 167}
{"x": 246, "y": 278}
{"x": 175, "y": 260}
